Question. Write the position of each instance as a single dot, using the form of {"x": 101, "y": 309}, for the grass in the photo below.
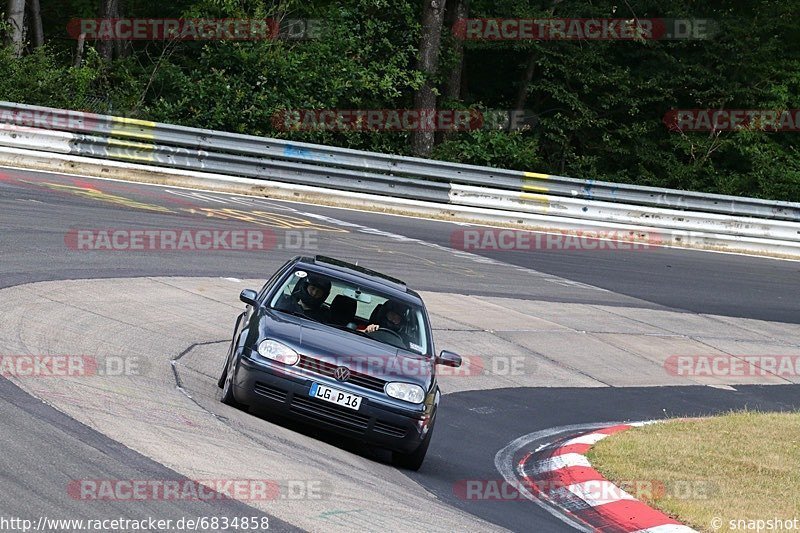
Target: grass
{"x": 738, "y": 466}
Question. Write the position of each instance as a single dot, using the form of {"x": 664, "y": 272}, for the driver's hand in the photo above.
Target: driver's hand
{"x": 372, "y": 327}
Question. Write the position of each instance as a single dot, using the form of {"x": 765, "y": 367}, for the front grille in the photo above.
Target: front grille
{"x": 337, "y": 415}
{"x": 273, "y": 393}
{"x": 327, "y": 369}
{"x": 334, "y": 414}
{"x": 389, "y": 429}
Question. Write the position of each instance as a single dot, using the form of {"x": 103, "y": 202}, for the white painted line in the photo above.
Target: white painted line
{"x": 565, "y": 500}
{"x": 590, "y": 438}
{"x": 560, "y": 461}
{"x": 720, "y": 386}
{"x": 358, "y": 227}
{"x": 165, "y": 170}
{"x": 599, "y": 492}
{"x": 504, "y": 461}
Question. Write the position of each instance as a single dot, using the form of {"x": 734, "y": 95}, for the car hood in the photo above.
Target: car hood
{"x": 343, "y": 348}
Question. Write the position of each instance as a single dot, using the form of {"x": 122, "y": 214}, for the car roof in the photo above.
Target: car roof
{"x": 359, "y": 274}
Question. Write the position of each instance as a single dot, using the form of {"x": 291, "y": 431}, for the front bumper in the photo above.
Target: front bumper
{"x": 377, "y": 422}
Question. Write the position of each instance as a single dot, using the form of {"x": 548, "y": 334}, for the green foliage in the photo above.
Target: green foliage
{"x": 599, "y": 104}
{"x": 359, "y": 63}
{"x": 41, "y": 78}
{"x": 494, "y": 148}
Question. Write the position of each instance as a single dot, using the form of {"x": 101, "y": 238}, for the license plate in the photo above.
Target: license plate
{"x": 338, "y": 397}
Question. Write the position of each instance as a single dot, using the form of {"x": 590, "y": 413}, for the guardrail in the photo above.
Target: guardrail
{"x": 103, "y": 137}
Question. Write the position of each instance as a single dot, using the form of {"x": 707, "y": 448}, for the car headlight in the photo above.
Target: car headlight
{"x": 406, "y": 391}
{"x": 276, "y": 351}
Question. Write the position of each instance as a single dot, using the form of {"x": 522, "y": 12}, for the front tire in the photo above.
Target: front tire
{"x": 221, "y": 381}
{"x": 227, "y": 379}
{"x": 413, "y": 461}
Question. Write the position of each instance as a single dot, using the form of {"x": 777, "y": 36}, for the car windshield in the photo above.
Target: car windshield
{"x": 358, "y": 310}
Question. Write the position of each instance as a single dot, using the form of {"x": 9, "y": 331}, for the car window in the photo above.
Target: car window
{"x": 410, "y": 334}
{"x": 272, "y": 280}
{"x": 365, "y": 310}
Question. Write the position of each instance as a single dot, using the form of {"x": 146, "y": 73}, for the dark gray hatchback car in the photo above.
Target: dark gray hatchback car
{"x": 343, "y": 347}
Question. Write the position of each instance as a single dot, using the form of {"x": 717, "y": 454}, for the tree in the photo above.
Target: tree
{"x": 456, "y": 10}
{"x": 16, "y": 19}
{"x": 425, "y": 97}
{"x": 109, "y": 9}
{"x": 35, "y": 18}
{"x": 599, "y": 104}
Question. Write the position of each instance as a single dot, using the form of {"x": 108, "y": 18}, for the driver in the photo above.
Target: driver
{"x": 307, "y": 298}
{"x": 391, "y": 317}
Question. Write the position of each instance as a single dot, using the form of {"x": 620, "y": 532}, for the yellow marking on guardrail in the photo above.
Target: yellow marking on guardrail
{"x": 264, "y": 218}
{"x": 130, "y": 144}
{"x": 537, "y": 175}
{"x": 534, "y": 188}
{"x": 532, "y": 197}
{"x": 132, "y": 127}
{"x": 528, "y": 184}
{"x": 142, "y": 130}
{"x": 131, "y": 150}
{"x": 535, "y": 193}
{"x": 96, "y": 194}
{"x": 542, "y": 200}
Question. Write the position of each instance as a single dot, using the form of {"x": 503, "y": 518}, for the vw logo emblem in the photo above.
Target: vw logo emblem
{"x": 341, "y": 373}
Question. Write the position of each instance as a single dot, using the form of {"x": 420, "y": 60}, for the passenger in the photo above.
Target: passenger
{"x": 307, "y": 298}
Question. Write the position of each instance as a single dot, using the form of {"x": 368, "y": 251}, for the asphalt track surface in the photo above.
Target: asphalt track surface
{"x": 43, "y": 448}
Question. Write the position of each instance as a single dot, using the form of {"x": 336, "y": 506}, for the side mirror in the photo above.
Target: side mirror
{"x": 449, "y": 359}
{"x": 250, "y": 297}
